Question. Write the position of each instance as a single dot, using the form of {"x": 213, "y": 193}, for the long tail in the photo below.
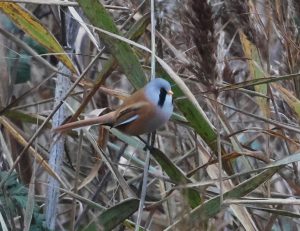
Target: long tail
{"x": 103, "y": 119}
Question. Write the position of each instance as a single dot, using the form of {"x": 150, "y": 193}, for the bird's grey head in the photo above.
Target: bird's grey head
{"x": 159, "y": 92}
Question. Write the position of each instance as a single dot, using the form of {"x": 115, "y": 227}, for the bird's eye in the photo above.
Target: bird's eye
{"x": 162, "y": 90}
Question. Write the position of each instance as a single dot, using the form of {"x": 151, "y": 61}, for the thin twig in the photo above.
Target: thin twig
{"x": 153, "y": 24}
{"x": 144, "y": 189}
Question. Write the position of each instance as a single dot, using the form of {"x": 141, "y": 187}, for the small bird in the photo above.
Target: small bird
{"x": 143, "y": 112}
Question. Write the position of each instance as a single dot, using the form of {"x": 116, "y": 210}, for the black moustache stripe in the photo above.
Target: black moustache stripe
{"x": 162, "y": 97}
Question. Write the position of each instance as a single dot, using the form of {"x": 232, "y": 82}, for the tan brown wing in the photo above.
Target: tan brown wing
{"x": 129, "y": 113}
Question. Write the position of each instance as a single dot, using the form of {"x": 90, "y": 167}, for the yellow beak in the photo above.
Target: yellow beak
{"x": 170, "y": 92}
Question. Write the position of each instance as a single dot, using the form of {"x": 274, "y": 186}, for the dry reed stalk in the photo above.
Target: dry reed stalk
{"x": 199, "y": 13}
